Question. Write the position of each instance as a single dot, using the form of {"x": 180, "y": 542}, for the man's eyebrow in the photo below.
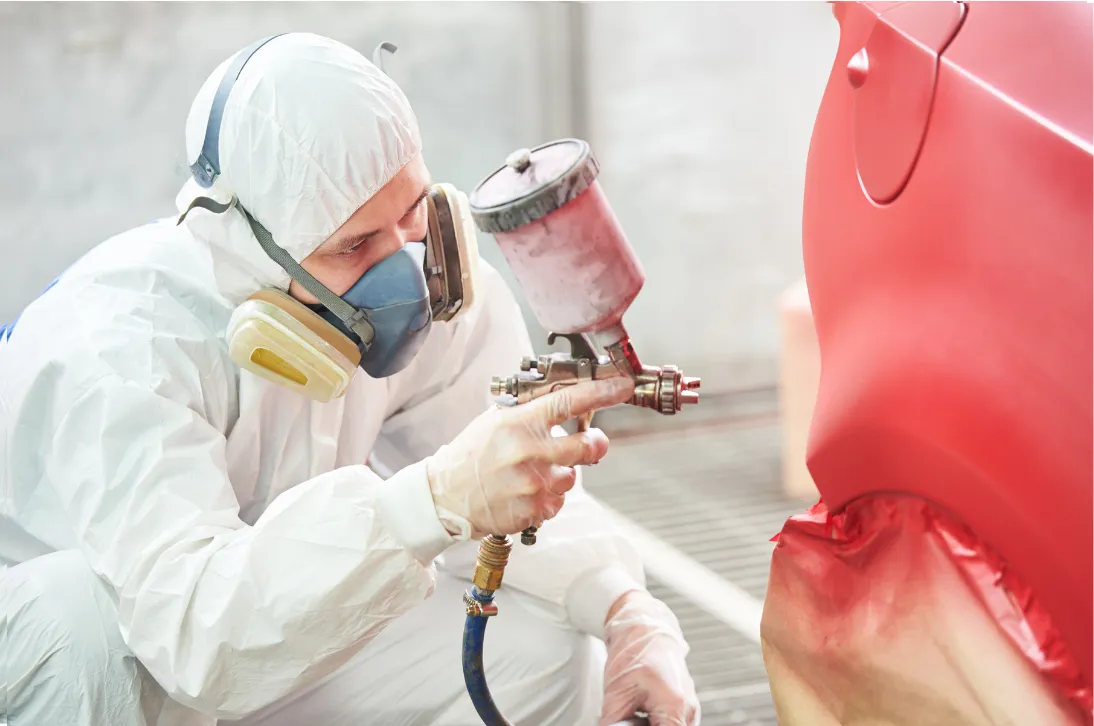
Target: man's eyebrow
{"x": 423, "y": 195}
{"x": 354, "y": 240}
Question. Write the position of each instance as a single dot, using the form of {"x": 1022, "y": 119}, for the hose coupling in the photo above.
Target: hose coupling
{"x": 490, "y": 563}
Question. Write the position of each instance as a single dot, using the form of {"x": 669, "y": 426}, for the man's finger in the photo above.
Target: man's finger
{"x": 570, "y": 402}
{"x": 561, "y": 480}
{"x": 581, "y": 449}
{"x": 618, "y": 707}
{"x": 548, "y": 505}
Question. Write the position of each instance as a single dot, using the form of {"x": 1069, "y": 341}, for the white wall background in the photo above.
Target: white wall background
{"x": 700, "y": 114}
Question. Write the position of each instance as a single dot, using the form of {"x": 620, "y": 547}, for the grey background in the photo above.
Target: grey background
{"x": 700, "y": 114}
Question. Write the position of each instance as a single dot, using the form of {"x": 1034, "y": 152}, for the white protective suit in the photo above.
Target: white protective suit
{"x": 228, "y": 533}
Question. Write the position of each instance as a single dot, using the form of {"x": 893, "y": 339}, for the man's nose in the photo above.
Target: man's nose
{"x": 393, "y": 243}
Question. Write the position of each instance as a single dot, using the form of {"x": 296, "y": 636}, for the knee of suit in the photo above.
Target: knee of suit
{"x": 61, "y": 624}
{"x": 520, "y": 641}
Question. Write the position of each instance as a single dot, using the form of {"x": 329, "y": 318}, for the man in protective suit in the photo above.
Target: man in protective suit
{"x": 186, "y": 542}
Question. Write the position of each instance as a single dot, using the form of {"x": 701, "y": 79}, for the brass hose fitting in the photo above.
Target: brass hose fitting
{"x": 491, "y": 561}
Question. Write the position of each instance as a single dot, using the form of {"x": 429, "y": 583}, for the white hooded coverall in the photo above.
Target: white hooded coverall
{"x": 182, "y": 542}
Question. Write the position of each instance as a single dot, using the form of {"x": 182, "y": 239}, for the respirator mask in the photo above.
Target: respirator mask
{"x": 379, "y": 324}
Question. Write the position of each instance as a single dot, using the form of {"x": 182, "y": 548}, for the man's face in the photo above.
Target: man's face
{"x": 394, "y": 216}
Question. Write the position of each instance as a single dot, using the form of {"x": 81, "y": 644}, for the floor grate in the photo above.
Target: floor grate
{"x": 727, "y": 667}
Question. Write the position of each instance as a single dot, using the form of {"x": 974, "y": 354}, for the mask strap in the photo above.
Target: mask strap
{"x": 354, "y": 318}
{"x": 209, "y": 205}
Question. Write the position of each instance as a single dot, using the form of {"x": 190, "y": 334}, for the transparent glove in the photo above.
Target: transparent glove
{"x": 646, "y": 671}
{"x": 506, "y": 472}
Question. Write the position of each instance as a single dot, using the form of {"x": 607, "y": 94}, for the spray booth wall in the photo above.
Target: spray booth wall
{"x": 700, "y": 115}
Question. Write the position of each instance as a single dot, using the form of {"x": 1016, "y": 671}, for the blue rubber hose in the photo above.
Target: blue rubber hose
{"x": 474, "y": 674}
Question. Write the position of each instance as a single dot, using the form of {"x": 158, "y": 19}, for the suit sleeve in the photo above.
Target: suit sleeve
{"x": 227, "y": 617}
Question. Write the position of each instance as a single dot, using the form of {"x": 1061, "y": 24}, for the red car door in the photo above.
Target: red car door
{"x": 947, "y": 236}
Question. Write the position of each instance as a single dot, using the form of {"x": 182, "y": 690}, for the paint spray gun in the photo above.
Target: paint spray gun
{"x": 566, "y": 248}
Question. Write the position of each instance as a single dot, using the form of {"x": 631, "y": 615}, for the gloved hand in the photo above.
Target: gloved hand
{"x": 506, "y": 472}
{"x": 646, "y": 670}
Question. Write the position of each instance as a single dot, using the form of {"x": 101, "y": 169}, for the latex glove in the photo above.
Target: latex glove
{"x": 646, "y": 671}
{"x": 506, "y": 471}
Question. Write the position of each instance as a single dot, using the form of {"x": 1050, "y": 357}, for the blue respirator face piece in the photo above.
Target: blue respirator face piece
{"x": 394, "y": 295}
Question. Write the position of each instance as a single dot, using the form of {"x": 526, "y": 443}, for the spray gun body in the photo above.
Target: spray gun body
{"x": 661, "y": 388}
{"x": 564, "y": 244}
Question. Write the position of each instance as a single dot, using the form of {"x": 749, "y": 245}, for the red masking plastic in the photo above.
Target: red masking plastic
{"x": 877, "y": 610}
{"x": 955, "y": 321}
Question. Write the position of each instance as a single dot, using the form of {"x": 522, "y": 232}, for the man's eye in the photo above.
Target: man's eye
{"x": 416, "y": 208}
{"x": 351, "y": 250}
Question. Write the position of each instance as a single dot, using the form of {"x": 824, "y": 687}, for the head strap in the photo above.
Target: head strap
{"x": 207, "y": 167}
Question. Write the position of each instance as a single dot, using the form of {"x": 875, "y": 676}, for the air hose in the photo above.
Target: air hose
{"x": 479, "y": 603}
{"x": 474, "y": 674}
{"x": 489, "y": 569}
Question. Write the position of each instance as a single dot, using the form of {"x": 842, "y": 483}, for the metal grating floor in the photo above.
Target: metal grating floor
{"x": 727, "y": 667}
{"x": 711, "y": 488}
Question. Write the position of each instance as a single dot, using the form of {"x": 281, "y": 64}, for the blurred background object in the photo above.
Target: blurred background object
{"x": 700, "y": 115}
{"x": 799, "y": 381}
